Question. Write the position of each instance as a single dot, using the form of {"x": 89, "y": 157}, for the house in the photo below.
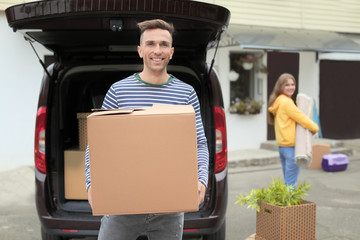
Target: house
{"x": 317, "y": 41}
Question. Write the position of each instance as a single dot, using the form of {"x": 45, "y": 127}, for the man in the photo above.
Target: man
{"x": 153, "y": 85}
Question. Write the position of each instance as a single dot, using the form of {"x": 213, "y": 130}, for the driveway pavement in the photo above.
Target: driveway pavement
{"x": 337, "y": 196}
{"x": 18, "y": 218}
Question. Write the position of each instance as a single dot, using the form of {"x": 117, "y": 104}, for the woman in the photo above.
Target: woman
{"x": 284, "y": 114}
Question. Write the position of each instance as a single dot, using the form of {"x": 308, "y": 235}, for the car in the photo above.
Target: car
{"x": 94, "y": 45}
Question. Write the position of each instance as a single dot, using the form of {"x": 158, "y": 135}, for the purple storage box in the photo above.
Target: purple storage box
{"x": 334, "y": 162}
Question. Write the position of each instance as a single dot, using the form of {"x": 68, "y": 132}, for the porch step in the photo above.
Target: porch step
{"x": 252, "y": 157}
{"x": 337, "y": 146}
{"x": 268, "y": 154}
{"x": 271, "y": 144}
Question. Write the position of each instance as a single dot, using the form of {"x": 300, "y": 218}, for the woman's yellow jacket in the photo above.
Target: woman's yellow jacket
{"x": 286, "y": 115}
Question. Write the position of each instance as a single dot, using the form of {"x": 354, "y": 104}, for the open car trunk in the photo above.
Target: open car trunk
{"x": 79, "y": 90}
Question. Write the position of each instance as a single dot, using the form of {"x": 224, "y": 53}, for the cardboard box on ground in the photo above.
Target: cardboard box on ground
{"x": 318, "y": 151}
{"x": 290, "y": 222}
{"x": 143, "y": 161}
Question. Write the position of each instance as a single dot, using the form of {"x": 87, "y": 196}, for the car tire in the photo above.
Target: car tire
{"x": 47, "y": 236}
{"x": 219, "y": 235}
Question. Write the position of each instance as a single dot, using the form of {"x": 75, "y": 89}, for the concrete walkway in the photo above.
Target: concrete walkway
{"x": 267, "y": 154}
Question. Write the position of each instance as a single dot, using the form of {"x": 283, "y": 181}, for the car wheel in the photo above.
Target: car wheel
{"x": 47, "y": 236}
{"x": 219, "y": 235}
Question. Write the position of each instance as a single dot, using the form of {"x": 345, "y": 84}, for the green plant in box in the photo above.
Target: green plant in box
{"x": 277, "y": 194}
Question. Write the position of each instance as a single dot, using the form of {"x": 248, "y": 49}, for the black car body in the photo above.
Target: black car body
{"x": 94, "y": 45}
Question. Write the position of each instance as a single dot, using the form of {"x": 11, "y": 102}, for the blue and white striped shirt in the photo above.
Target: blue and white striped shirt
{"x": 132, "y": 92}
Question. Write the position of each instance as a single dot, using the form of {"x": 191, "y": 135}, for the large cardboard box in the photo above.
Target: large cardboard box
{"x": 290, "y": 223}
{"x": 74, "y": 174}
{"x": 143, "y": 161}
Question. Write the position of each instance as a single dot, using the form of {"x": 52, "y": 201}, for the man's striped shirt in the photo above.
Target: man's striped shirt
{"x": 132, "y": 92}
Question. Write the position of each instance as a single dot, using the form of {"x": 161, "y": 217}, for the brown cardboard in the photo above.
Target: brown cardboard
{"x": 290, "y": 223}
{"x": 82, "y": 120}
{"x": 74, "y": 174}
{"x": 318, "y": 151}
{"x": 143, "y": 161}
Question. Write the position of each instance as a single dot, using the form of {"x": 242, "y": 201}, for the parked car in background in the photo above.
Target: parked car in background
{"x": 94, "y": 44}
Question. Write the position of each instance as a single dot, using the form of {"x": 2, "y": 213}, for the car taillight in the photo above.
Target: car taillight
{"x": 191, "y": 230}
{"x": 40, "y": 140}
{"x": 221, "y": 141}
{"x": 69, "y": 230}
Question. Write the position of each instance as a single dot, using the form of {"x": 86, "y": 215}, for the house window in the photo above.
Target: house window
{"x": 242, "y": 83}
{"x": 240, "y": 87}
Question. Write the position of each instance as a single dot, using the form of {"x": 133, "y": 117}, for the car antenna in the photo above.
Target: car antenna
{"x": 41, "y": 62}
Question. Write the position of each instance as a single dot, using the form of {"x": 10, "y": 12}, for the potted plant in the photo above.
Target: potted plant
{"x": 247, "y": 62}
{"x": 245, "y": 106}
{"x": 282, "y": 212}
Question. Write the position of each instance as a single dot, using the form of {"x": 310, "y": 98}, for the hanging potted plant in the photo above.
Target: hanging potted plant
{"x": 282, "y": 212}
{"x": 247, "y": 62}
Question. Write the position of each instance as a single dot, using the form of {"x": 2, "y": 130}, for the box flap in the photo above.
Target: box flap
{"x": 103, "y": 112}
{"x": 170, "y": 109}
{"x": 155, "y": 109}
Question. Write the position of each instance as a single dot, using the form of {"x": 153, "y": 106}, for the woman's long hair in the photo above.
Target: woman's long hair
{"x": 277, "y": 91}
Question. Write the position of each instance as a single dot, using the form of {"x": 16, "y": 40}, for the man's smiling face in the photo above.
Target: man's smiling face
{"x": 156, "y": 49}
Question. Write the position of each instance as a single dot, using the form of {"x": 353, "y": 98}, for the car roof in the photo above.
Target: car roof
{"x": 61, "y": 25}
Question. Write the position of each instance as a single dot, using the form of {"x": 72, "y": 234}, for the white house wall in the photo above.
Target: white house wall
{"x": 334, "y": 15}
{"x": 309, "y": 76}
{"x": 7, "y": 3}
{"x": 20, "y": 80}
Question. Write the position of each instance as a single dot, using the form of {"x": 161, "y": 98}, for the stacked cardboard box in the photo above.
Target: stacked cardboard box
{"x": 74, "y": 163}
{"x": 82, "y": 120}
{"x": 74, "y": 174}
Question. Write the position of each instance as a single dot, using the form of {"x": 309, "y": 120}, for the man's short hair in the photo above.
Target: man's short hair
{"x": 155, "y": 24}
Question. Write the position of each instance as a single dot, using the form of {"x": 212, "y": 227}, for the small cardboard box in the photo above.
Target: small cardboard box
{"x": 74, "y": 174}
{"x": 318, "y": 151}
{"x": 143, "y": 161}
{"x": 82, "y": 120}
{"x": 290, "y": 223}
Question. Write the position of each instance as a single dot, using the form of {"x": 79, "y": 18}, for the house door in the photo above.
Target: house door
{"x": 278, "y": 63}
{"x": 339, "y": 103}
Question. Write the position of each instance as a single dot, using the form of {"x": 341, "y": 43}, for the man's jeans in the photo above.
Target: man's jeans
{"x": 129, "y": 227}
{"x": 290, "y": 169}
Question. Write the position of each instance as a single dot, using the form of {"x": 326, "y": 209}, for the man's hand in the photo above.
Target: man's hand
{"x": 201, "y": 192}
{"x": 89, "y": 196}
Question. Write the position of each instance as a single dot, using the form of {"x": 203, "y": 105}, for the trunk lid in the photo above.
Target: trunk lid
{"x": 71, "y": 27}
